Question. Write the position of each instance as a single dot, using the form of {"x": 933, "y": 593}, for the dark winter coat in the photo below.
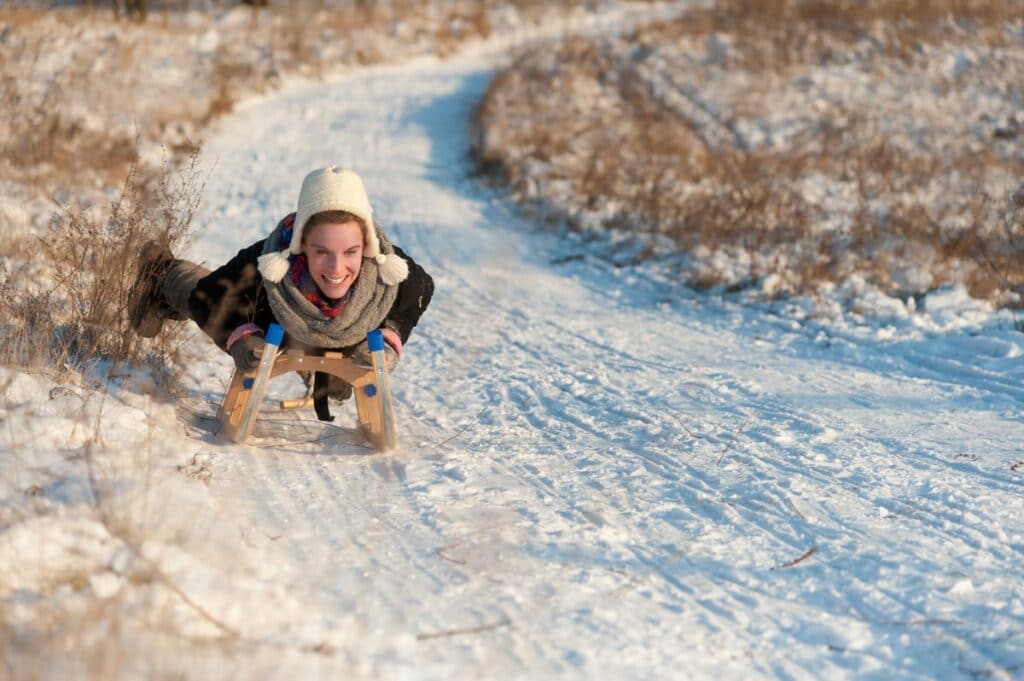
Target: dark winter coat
{"x": 233, "y": 295}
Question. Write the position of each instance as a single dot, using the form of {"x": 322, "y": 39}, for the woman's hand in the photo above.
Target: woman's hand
{"x": 246, "y": 352}
{"x": 362, "y": 356}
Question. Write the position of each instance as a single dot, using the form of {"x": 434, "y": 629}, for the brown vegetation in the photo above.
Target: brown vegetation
{"x": 46, "y": 141}
{"x": 780, "y": 33}
{"x": 616, "y": 142}
{"x": 67, "y": 305}
{"x": 41, "y": 142}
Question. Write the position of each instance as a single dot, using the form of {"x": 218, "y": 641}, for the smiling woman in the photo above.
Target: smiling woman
{"x": 327, "y": 274}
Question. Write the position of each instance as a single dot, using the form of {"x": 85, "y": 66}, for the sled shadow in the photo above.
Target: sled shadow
{"x": 277, "y": 431}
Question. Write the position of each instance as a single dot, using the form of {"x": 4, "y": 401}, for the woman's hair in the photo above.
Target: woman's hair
{"x": 331, "y": 217}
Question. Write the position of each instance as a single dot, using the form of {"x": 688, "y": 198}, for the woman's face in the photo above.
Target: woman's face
{"x": 334, "y": 251}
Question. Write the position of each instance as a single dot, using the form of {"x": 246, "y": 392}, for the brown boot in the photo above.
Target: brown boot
{"x": 337, "y": 389}
{"x": 147, "y": 309}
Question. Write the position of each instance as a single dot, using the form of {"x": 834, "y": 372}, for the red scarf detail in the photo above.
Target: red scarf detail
{"x": 304, "y": 282}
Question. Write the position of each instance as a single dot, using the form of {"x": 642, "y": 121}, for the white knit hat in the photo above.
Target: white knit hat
{"x": 334, "y": 188}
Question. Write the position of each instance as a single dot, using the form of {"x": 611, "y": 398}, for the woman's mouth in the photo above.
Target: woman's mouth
{"x": 334, "y": 281}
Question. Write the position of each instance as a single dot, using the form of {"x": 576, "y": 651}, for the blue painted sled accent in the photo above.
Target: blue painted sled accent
{"x": 375, "y": 339}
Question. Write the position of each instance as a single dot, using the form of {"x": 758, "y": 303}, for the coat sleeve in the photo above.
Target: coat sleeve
{"x": 230, "y": 296}
{"x": 413, "y": 297}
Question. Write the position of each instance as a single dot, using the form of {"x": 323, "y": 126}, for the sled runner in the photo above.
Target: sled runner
{"x": 370, "y": 385}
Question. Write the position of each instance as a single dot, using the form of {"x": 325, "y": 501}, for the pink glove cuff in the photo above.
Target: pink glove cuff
{"x": 241, "y": 332}
{"x": 394, "y": 340}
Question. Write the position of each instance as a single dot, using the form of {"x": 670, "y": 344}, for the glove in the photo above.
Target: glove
{"x": 246, "y": 352}
{"x": 363, "y": 358}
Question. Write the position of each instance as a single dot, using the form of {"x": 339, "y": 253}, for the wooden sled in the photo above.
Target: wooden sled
{"x": 370, "y": 386}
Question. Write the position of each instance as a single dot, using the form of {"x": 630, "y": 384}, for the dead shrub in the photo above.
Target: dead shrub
{"x": 89, "y": 265}
{"x": 227, "y": 77}
{"x": 1002, "y": 258}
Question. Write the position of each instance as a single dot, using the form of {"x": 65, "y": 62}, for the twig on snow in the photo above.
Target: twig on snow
{"x": 503, "y": 622}
{"x": 920, "y": 621}
{"x": 636, "y": 581}
{"x": 915, "y": 622}
{"x": 801, "y": 558}
{"x": 476, "y": 419}
{"x": 174, "y": 588}
{"x": 732, "y": 440}
{"x": 441, "y": 553}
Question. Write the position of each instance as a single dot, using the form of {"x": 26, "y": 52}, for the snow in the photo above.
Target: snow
{"x": 601, "y": 475}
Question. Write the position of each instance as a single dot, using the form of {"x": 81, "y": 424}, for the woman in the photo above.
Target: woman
{"x": 327, "y": 274}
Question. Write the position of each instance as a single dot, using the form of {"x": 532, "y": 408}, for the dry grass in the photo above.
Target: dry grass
{"x": 229, "y": 76}
{"x": 88, "y": 264}
{"x": 40, "y": 142}
{"x": 64, "y": 130}
{"x": 779, "y": 33}
{"x": 66, "y": 138}
{"x": 603, "y": 147}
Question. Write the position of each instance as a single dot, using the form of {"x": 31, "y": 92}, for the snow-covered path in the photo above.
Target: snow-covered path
{"x": 598, "y": 477}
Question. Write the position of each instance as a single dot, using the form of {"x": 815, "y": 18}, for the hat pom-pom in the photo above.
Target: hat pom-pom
{"x": 273, "y": 266}
{"x": 393, "y": 270}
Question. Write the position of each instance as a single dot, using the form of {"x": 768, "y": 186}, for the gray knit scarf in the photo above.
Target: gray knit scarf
{"x": 370, "y": 302}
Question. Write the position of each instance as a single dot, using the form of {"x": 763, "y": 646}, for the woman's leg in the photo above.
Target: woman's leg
{"x": 178, "y": 284}
{"x": 162, "y": 288}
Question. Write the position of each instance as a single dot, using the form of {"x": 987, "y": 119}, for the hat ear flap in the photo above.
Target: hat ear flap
{"x": 393, "y": 269}
{"x": 372, "y": 242}
{"x": 273, "y": 266}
